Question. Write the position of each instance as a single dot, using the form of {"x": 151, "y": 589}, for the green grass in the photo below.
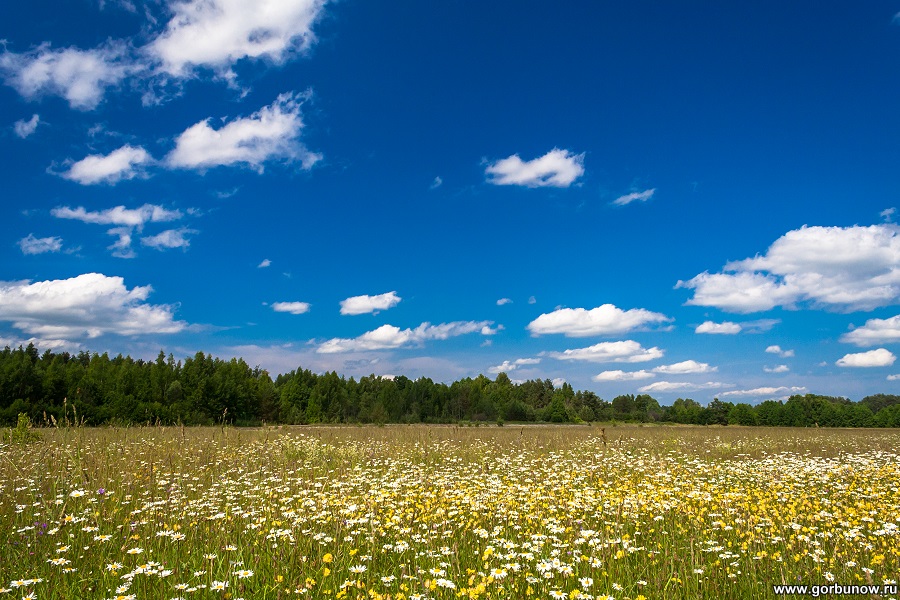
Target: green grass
{"x": 408, "y": 511}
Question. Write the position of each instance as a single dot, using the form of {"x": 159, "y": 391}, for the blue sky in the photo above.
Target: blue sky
{"x": 689, "y": 200}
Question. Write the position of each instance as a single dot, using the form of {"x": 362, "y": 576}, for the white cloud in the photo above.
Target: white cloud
{"x": 634, "y": 197}
{"x": 558, "y": 382}
{"x": 503, "y": 301}
{"x": 170, "y": 238}
{"x": 893, "y": 377}
{"x": 33, "y": 245}
{"x": 860, "y": 271}
{"x": 487, "y": 330}
{"x": 79, "y": 76}
{"x": 623, "y": 375}
{"x": 778, "y": 369}
{"x": 87, "y": 305}
{"x": 874, "y": 332}
{"x": 271, "y": 133}
{"x": 726, "y": 328}
{"x": 685, "y": 367}
{"x": 216, "y": 34}
{"x": 25, "y": 128}
{"x": 389, "y": 337}
{"x": 873, "y": 358}
{"x": 265, "y": 263}
{"x": 603, "y": 320}
{"x": 532, "y": 300}
{"x": 765, "y": 391}
{"x": 124, "y": 163}
{"x": 119, "y": 215}
{"x": 510, "y": 366}
{"x": 121, "y": 248}
{"x": 888, "y": 214}
{"x": 627, "y": 351}
{"x": 776, "y": 349}
{"x": 438, "y": 182}
{"x": 681, "y": 386}
{"x": 295, "y": 308}
{"x": 557, "y": 168}
{"x": 360, "y": 305}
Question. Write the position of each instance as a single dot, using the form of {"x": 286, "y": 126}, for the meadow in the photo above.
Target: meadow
{"x": 414, "y": 512}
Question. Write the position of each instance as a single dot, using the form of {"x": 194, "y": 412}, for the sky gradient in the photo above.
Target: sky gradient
{"x": 688, "y": 200}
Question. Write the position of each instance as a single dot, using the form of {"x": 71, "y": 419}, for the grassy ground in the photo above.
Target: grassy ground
{"x": 446, "y": 512}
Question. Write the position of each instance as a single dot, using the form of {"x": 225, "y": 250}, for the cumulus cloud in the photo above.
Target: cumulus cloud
{"x": 295, "y": 308}
{"x": 88, "y": 305}
{"x": 726, "y": 328}
{"x": 557, "y": 168}
{"x": 124, "y": 163}
{"x": 80, "y": 76}
{"x": 765, "y": 391}
{"x": 271, "y": 133}
{"x": 627, "y": 351}
{"x": 24, "y": 128}
{"x": 623, "y": 375}
{"x": 509, "y": 366}
{"x": 265, "y": 263}
{"x": 361, "y": 305}
{"x": 388, "y": 337}
{"x": 874, "y": 332}
{"x": 860, "y": 271}
{"x": 685, "y": 367}
{"x": 776, "y": 349}
{"x": 216, "y": 34}
{"x": 873, "y": 358}
{"x": 634, "y": 197}
{"x": 33, "y": 245}
{"x": 503, "y": 301}
{"x": 681, "y": 386}
{"x": 778, "y": 369}
{"x": 121, "y": 248}
{"x": 603, "y": 320}
{"x": 119, "y": 215}
{"x": 170, "y": 238}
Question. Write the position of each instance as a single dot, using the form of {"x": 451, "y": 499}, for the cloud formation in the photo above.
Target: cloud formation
{"x": 777, "y": 369}
{"x": 557, "y": 168}
{"x": 33, "y": 245}
{"x": 123, "y": 163}
{"x": 119, "y": 215}
{"x": 627, "y": 351}
{"x": 634, "y": 197}
{"x": 88, "y": 305}
{"x": 295, "y": 308}
{"x": 776, "y": 349}
{"x": 765, "y": 391}
{"x": 875, "y": 332}
{"x": 361, "y": 305}
{"x": 685, "y": 367}
{"x": 681, "y": 386}
{"x": 216, "y": 34}
{"x": 510, "y": 366}
{"x": 271, "y": 133}
{"x": 861, "y": 271}
{"x": 619, "y": 375}
{"x": 80, "y": 76}
{"x": 726, "y": 328}
{"x": 603, "y": 320}
{"x": 23, "y": 128}
{"x": 873, "y": 358}
{"x": 389, "y": 337}
{"x": 170, "y": 238}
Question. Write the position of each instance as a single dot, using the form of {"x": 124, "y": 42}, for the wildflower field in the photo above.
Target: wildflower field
{"x": 446, "y": 512}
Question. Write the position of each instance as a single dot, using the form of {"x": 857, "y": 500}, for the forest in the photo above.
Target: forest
{"x": 94, "y": 389}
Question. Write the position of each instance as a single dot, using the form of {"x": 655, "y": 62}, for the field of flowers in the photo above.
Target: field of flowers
{"x": 418, "y": 512}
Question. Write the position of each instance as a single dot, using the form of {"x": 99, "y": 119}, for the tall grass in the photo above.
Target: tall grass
{"x": 445, "y": 512}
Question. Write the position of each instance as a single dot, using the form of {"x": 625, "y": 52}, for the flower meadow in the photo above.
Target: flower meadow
{"x": 415, "y": 512}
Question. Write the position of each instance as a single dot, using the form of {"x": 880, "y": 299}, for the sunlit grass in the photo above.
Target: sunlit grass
{"x": 446, "y": 512}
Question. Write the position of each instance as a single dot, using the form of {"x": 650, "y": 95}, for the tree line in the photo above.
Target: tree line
{"x": 95, "y": 389}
